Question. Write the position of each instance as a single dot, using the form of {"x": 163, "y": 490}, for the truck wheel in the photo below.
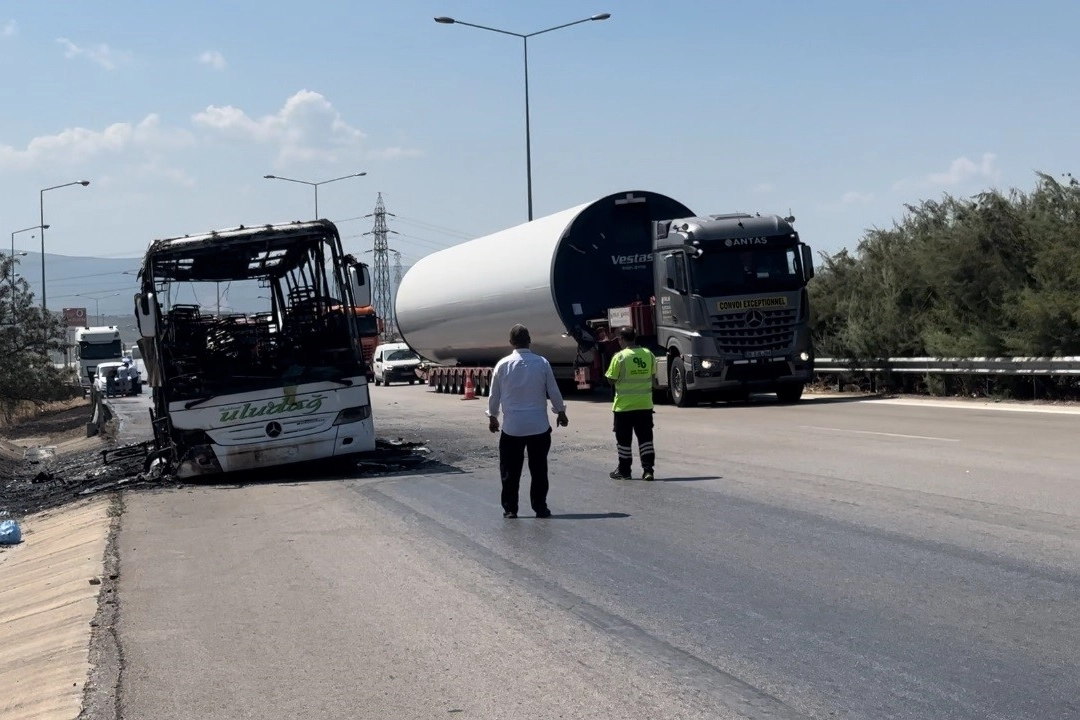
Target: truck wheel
{"x": 680, "y": 396}
{"x": 789, "y": 393}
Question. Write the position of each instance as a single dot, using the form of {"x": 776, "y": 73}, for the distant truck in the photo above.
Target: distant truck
{"x": 93, "y": 346}
{"x": 720, "y": 299}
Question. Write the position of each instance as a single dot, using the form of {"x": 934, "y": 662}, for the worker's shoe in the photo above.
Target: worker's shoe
{"x": 648, "y": 476}
{"x": 545, "y": 513}
{"x": 508, "y": 514}
{"x": 619, "y": 475}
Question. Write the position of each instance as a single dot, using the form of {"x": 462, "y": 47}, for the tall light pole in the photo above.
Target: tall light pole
{"x": 36, "y": 227}
{"x": 525, "y": 40}
{"x": 41, "y": 205}
{"x": 315, "y": 184}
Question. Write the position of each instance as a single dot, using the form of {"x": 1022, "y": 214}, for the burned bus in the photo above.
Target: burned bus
{"x": 242, "y": 390}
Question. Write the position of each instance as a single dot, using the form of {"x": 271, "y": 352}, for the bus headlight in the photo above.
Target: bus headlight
{"x": 804, "y": 356}
{"x": 353, "y": 414}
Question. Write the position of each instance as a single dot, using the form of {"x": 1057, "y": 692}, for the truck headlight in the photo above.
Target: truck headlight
{"x": 804, "y": 356}
{"x": 707, "y": 364}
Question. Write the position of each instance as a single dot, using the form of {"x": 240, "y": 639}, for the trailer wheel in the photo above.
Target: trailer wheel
{"x": 680, "y": 396}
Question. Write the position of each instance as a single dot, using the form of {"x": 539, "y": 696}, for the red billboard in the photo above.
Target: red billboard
{"x": 75, "y": 317}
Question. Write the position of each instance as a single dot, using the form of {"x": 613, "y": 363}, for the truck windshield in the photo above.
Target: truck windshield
{"x": 742, "y": 272}
{"x": 367, "y": 325}
{"x": 99, "y": 351}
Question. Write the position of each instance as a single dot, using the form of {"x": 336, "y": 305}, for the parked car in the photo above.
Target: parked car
{"x": 395, "y": 362}
{"x": 101, "y": 373}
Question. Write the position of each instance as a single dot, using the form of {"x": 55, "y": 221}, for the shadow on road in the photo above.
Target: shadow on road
{"x": 388, "y": 460}
{"x": 588, "y": 516}
{"x": 690, "y": 479}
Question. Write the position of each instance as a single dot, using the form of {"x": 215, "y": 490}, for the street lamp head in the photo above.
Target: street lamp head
{"x": 270, "y": 177}
{"x": 601, "y": 16}
{"x": 46, "y": 226}
{"x": 361, "y": 174}
{"x": 84, "y": 183}
{"x": 445, "y": 20}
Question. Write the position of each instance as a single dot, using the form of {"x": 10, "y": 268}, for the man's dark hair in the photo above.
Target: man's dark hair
{"x": 627, "y": 333}
{"x": 519, "y": 336}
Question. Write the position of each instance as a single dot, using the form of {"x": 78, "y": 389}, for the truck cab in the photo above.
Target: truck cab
{"x": 732, "y": 311}
{"x": 93, "y": 346}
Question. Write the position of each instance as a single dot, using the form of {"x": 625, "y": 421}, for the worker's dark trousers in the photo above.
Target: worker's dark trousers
{"x": 512, "y": 450}
{"x": 629, "y": 423}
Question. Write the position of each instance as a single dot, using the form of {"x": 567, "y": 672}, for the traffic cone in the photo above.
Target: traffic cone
{"x": 470, "y": 389}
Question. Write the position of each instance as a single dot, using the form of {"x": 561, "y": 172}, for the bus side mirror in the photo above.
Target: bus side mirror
{"x": 807, "y": 262}
{"x": 360, "y": 279}
{"x": 146, "y": 314}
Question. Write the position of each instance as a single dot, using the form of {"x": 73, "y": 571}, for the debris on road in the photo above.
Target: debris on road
{"x": 10, "y": 533}
{"x": 65, "y": 478}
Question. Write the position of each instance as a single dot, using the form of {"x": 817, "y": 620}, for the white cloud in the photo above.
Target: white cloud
{"x": 961, "y": 170}
{"x": 10, "y": 29}
{"x": 101, "y": 53}
{"x": 764, "y": 188}
{"x": 75, "y": 145}
{"x": 214, "y": 59}
{"x": 306, "y": 128}
{"x": 857, "y": 198}
{"x": 395, "y": 153}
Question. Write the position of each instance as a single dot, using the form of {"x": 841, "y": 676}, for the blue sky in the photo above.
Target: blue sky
{"x": 839, "y": 111}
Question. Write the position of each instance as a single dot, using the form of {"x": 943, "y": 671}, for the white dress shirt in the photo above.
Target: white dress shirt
{"x": 522, "y": 382}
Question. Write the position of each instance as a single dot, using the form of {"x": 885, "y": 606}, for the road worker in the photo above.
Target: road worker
{"x": 631, "y": 372}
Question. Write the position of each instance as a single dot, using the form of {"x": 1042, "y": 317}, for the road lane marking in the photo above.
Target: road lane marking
{"x": 885, "y": 434}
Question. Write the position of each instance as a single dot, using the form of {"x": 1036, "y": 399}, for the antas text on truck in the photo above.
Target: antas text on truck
{"x": 720, "y": 299}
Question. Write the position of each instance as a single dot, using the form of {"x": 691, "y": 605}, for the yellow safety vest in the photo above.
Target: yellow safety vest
{"x": 632, "y": 371}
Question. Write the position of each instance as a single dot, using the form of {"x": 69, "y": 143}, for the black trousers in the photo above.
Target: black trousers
{"x": 512, "y": 449}
{"x": 628, "y": 424}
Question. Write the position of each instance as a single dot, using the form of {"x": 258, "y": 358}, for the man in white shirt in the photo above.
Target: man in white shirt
{"x": 521, "y": 384}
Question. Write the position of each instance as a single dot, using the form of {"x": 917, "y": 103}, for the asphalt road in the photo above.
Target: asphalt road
{"x": 835, "y": 559}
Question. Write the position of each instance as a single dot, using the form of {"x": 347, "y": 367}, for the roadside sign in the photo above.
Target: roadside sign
{"x": 75, "y": 317}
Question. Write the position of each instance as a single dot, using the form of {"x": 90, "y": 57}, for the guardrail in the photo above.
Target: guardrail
{"x": 954, "y": 366}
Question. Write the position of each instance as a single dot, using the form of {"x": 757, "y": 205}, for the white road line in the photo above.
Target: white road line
{"x": 955, "y": 404}
{"x": 885, "y": 434}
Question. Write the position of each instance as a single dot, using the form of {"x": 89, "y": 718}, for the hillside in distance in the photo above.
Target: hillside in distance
{"x": 106, "y": 287}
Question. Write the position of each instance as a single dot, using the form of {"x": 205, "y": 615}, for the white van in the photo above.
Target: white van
{"x": 395, "y": 362}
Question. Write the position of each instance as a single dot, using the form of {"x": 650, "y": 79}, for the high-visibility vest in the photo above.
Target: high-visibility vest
{"x": 632, "y": 371}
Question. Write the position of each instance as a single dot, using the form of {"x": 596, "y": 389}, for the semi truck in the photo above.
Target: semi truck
{"x": 720, "y": 299}
{"x": 240, "y": 392}
{"x": 93, "y": 346}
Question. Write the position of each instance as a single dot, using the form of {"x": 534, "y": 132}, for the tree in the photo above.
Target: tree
{"x": 26, "y": 373}
{"x": 994, "y": 274}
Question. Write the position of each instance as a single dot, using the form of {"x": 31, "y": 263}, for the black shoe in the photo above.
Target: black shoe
{"x": 508, "y": 514}
{"x": 619, "y": 475}
{"x": 648, "y": 476}
{"x": 543, "y": 513}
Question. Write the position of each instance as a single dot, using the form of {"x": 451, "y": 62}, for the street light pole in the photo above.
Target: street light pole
{"x": 315, "y": 184}
{"x": 525, "y": 42}
{"x": 41, "y": 205}
{"x": 36, "y": 227}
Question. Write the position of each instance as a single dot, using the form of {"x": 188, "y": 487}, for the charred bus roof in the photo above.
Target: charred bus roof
{"x": 733, "y": 226}
{"x": 235, "y": 254}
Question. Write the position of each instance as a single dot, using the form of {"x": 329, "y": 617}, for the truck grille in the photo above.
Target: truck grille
{"x": 755, "y": 331}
